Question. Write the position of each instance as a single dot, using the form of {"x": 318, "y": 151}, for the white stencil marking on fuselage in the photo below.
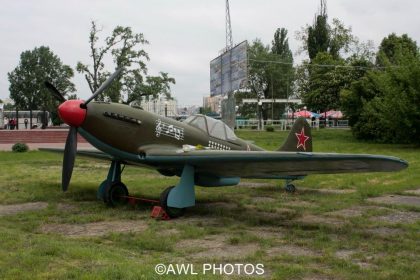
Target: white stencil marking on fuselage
{"x": 169, "y": 130}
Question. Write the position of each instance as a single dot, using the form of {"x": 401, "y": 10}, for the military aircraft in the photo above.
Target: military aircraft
{"x": 200, "y": 150}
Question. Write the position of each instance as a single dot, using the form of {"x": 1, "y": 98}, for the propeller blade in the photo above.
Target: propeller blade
{"x": 103, "y": 87}
{"x": 54, "y": 92}
{"x": 69, "y": 157}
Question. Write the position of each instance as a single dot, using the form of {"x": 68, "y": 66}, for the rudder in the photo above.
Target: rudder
{"x": 299, "y": 138}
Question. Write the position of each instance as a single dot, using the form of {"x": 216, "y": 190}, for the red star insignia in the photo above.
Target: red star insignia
{"x": 302, "y": 138}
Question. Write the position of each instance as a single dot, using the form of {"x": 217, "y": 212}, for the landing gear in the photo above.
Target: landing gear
{"x": 171, "y": 211}
{"x": 112, "y": 191}
{"x": 290, "y": 188}
{"x": 115, "y": 194}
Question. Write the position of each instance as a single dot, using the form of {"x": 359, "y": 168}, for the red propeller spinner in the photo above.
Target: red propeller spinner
{"x": 71, "y": 113}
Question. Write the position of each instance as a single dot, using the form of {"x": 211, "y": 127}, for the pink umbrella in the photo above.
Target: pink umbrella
{"x": 332, "y": 114}
{"x": 302, "y": 113}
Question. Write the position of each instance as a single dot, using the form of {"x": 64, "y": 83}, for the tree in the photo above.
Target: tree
{"x": 125, "y": 48}
{"x": 383, "y": 105}
{"x": 323, "y": 37}
{"x": 284, "y": 70}
{"x": 27, "y": 80}
{"x": 270, "y": 75}
{"x": 392, "y": 49}
{"x": 320, "y": 80}
{"x": 318, "y": 35}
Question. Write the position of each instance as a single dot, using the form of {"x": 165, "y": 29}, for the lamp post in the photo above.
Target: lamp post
{"x": 166, "y": 108}
{"x": 260, "y": 125}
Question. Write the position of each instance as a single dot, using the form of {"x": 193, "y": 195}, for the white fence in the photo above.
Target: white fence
{"x": 286, "y": 124}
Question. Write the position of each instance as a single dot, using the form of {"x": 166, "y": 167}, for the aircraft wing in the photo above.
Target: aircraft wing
{"x": 267, "y": 164}
{"x": 254, "y": 164}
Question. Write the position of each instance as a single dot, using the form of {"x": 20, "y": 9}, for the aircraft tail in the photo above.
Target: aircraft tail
{"x": 299, "y": 138}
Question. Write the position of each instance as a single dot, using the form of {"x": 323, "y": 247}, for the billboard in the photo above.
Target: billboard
{"x": 228, "y": 72}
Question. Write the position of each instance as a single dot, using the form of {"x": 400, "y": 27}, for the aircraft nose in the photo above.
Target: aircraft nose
{"x": 71, "y": 113}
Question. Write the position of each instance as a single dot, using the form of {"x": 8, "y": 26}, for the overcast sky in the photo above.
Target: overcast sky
{"x": 184, "y": 35}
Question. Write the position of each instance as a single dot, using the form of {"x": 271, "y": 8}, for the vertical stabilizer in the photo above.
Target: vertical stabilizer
{"x": 299, "y": 138}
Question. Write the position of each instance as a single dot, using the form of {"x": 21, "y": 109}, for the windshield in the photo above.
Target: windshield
{"x": 214, "y": 128}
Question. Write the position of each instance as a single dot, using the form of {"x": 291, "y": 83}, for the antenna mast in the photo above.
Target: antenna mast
{"x": 229, "y": 40}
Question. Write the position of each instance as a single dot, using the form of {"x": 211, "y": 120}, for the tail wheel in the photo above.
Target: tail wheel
{"x": 115, "y": 194}
{"x": 290, "y": 188}
{"x": 171, "y": 211}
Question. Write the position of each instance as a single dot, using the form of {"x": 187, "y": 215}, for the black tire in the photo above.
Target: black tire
{"x": 290, "y": 188}
{"x": 171, "y": 211}
{"x": 114, "y": 194}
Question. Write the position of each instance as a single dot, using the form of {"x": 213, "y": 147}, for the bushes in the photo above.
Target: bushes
{"x": 20, "y": 148}
{"x": 269, "y": 129}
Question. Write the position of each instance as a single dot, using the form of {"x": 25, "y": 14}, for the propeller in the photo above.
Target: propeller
{"x": 54, "y": 92}
{"x": 103, "y": 87}
{"x": 73, "y": 113}
{"x": 69, "y": 157}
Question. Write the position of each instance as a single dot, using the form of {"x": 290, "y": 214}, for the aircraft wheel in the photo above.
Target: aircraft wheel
{"x": 171, "y": 211}
{"x": 114, "y": 194}
{"x": 290, "y": 188}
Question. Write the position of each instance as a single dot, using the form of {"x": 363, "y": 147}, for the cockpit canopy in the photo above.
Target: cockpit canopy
{"x": 213, "y": 127}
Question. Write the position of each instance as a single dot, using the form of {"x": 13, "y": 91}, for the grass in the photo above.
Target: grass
{"x": 254, "y": 225}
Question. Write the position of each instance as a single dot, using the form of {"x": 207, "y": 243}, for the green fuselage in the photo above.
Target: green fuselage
{"x": 129, "y": 129}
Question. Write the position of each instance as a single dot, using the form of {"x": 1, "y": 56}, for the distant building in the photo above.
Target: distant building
{"x": 160, "y": 105}
{"x": 188, "y": 110}
{"x": 213, "y": 102}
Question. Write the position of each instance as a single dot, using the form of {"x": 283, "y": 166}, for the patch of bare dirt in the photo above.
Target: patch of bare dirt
{"x": 300, "y": 203}
{"x": 384, "y": 231}
{"x": 276, "y": 214}
{"x": 13, "y": 209}
{"x": 310, "y": 219}
{"x": 94, "y": 229}
{"x": 413, "y": 192}
{"x": 399, "y": 217}
{"x": 263, "y": 199}
{"x": 169, "y": 232}
{"x": 66, "y": 207}
{"x": 216, "y": 246}
{"x": 351, "y": 212}
{"x": 219, "y": 205}
{"x": 291, "y": 250}
{"x": 254, "y": 184}
{"x": 198, "y": 221}
{"x": 329, "y": 191}
{"x": 318, "y": 277}
{"x": 396, "y": 200}
{"x": 344, "y": 254}
{"x": 267, "y": 232}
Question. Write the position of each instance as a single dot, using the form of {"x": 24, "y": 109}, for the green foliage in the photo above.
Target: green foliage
{"x": 205, "y": 110}
{"x": 320, "y": 80}
{"x": 384, "y": 105}
{"x": 324, "y": 84}
{"x": 27, "y": 79}
{"x": 125, "y": 48}
{"x": 271, "y": 74}
{"x": 20, "y": 148}
{"x": 269, "y": 128}
{"x": 318, "y": 36}
{"x": 393, "y": 47}
{"x": 321, "y": 37}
